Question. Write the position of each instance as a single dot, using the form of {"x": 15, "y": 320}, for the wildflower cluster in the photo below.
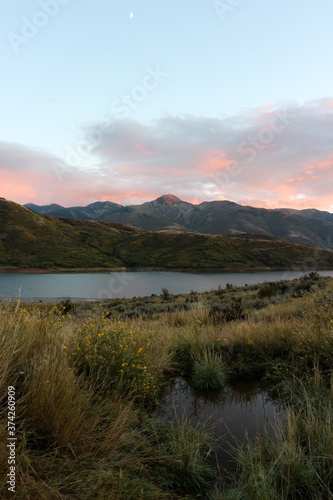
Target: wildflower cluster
{"x": 108, "y": 354}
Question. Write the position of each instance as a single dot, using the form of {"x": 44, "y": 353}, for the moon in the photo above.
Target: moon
{"x": 131, "y": 15}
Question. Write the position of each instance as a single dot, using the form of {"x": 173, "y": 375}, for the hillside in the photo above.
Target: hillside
{"x": 30, "y": 240}
{"x": 308, "y": 227}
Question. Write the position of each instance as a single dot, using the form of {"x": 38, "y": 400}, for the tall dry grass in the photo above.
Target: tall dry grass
{"x": 75, "y": 440}
{"x": 82, "y": 439}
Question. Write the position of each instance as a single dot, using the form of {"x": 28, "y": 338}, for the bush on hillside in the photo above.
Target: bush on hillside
{"x": 223, "y": 312}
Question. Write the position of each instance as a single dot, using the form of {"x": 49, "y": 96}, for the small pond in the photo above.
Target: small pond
{"x": 230, "y": 415}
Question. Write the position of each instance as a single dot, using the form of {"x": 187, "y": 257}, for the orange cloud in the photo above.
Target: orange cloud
{"x": 194, "y": 158}
{"x": 321, "y": 164}
{"x": 11, "y": 190}
{"x": 212, "y": 161}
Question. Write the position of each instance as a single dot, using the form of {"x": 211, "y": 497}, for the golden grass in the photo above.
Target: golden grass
{"x": 83, "y": 441}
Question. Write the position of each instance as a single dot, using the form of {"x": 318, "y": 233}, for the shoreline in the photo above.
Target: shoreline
{"x": 6, "y": 270}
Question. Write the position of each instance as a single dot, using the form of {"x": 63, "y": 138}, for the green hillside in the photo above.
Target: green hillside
{"x": 30, "y": 240}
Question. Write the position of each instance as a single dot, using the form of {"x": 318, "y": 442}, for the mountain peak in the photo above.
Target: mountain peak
{"x": 168, "y": 198}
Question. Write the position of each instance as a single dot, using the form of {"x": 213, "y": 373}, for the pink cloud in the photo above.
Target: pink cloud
{"x": 253, "y": 156}
{"x": 13, "y": 190}
{"x": 212, "y": 161}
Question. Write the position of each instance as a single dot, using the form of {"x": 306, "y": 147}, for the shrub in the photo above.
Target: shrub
{"x": 165, "y": 294}
{"x": 110, "y": 358}
{"x": 65, "y": 306}
{"x": 305, "y": 283}
{"x": 268, "y": 289}
{"x": 231, "y": 311}
{"x": 131, "y": 314}
{"x": 259, "y": 304}
{"x": 193, "y": 297}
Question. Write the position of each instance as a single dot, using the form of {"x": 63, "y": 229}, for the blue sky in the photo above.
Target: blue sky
{"x": 181, "y": 85}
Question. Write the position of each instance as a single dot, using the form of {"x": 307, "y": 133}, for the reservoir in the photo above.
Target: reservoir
{"x": 126, "y": 284}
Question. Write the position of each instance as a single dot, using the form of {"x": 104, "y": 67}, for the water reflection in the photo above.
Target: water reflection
{"x": 231, "y": 415}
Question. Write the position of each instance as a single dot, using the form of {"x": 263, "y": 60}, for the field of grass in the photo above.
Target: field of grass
{"x": 87, "y": 378}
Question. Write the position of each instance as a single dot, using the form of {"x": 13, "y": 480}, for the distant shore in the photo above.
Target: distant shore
{"x": 156, "y": 269}
{"x": 37, "y": 270}
{"x": 137, "y": 269}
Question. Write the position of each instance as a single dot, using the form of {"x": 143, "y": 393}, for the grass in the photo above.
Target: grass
{"x": 185, "y": 451}
{"x": 87, "y": 381}
{"x": 297, "y": 462}
{"x": 209, "y": 371}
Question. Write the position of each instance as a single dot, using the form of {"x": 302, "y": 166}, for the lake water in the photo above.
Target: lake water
{"x": 232, "y": 415}
{"x": 97, "y": 286}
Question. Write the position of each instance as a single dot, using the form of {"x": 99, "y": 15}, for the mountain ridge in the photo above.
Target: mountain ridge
{"x": 168, "y": 212}
{"x": 35, "y": 241}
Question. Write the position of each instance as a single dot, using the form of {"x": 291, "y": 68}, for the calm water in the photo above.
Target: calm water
{"x": 230, "y": 416}
{"x": 96, "y": 286}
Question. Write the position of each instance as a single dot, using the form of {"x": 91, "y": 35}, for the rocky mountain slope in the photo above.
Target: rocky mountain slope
{"x": 310, "y": 227}
{"x": 31, "y": 240}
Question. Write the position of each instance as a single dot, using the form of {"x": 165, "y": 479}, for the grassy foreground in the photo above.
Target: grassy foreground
{"x": 87, "y": 377}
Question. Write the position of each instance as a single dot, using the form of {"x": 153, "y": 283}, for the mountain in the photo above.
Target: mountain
{"x": 94, "y": 211}
{"x": 220, "y": 217}
{"x": 310, "y": 227}
{"x": 45, "y": 209}
{"x": 31, "y": 240}
{"x": 312, "y": 212}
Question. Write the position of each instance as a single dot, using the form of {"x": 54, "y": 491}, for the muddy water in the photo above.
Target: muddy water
{"x": 231, "y": 415}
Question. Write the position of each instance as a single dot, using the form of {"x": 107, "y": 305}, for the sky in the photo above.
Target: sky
{"x": 203, "y": 99}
